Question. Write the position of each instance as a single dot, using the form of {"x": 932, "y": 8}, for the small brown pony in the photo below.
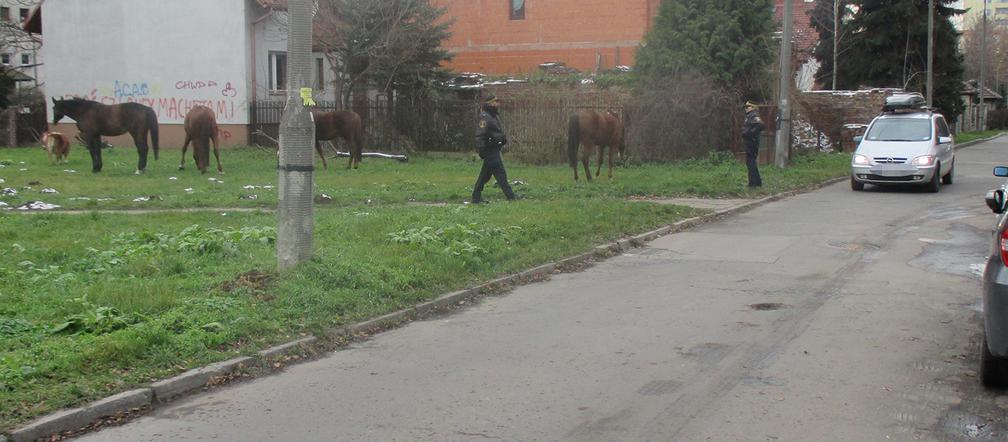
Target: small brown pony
{"x": 56, "y": 145}
{"x": 589, "y": 128}
{"x": 95, "y": 120}
{"x": 344, "y": 124}
{"x": 201, "y": 129}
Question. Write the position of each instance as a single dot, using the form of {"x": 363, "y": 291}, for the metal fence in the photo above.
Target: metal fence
{"x": 405, "y": 126}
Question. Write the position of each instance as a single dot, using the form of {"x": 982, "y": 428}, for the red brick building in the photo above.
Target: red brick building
{"x": 515, "y": 36}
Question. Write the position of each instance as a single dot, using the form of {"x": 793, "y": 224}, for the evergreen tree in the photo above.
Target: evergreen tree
{"x": 888, "y": 48}
{"x": 728, "y": 41}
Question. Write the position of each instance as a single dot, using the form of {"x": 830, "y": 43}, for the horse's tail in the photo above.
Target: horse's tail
{"x": 573, "y": 139}
{"x": 153, "y": 124}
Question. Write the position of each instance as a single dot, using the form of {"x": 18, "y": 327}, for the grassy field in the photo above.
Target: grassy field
{"x": 97, "y": 303}
{"x": 250, "y": 178}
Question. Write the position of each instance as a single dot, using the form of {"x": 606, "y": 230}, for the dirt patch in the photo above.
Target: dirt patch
{"x": 254, "y": 281}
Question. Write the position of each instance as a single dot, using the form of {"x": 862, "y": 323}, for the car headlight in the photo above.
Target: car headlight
{"x": 923, "y": 160}
{"x": 861, "y": 160}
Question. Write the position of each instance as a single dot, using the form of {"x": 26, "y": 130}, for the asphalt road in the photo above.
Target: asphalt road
{"x": 833, "y": 315}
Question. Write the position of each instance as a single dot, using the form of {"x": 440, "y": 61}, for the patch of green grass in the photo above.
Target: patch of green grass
{"x": 976, "y": 135}
{"x": 251, "y": 173}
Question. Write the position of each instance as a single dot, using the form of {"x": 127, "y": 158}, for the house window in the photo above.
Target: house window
{"x": 278, "y": 71}
{"x": 5, "y": 59}
{"x": 517, "y": 9}
{"x": 24, "y": 14}
{"x": 320, "y": 84}
{"x": 4, "y": 13}
{"x": 25, "y": 59}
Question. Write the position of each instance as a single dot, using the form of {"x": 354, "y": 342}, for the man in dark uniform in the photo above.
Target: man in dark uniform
{"x": 751, "y": 130}
{"x": 490, "y": 139}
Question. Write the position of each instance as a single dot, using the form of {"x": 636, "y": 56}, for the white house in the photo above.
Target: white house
{"x": 18, "y": 49}
{"x": 171, "y": 56}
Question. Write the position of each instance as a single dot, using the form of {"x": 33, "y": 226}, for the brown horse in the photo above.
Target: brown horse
{"x": 57, "y": 146}
{"x": 344, "y": 124}
{"x": 95, "y": 120}
{"x": 589, "y": 128}
{"x": 201, "y": 129}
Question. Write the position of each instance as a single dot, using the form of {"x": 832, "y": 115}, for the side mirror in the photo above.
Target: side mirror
{"x": 1001, "y": 171}
{"x": 995, "y": 200}
{"x": 944, "y": 140}
{"x": 858, "y": 138}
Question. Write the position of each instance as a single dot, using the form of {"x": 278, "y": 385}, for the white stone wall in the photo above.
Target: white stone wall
{"x": 169, "y": 55}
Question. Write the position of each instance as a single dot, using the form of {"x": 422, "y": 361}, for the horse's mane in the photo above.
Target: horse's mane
{"x": 77, "y": 102}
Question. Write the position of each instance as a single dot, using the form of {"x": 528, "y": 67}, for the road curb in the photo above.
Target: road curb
{"x": 77, "y": 418}
{"x": 197, "y": 378}
{"x": 166, "y": 390}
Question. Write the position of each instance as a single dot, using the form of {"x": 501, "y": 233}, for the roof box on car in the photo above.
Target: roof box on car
{"x": 904, "y": 102}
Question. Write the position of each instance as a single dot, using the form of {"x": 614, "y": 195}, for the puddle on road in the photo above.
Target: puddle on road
{"x": 957, "y": 255}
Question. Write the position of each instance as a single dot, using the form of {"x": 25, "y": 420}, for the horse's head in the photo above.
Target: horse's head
{"x": 59, "y": 110}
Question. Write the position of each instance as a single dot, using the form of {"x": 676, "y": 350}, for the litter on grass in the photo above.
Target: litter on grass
{"x": 37, "y": 205}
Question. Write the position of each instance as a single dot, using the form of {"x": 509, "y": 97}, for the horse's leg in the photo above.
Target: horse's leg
{"x": 575, "y": 167}
{"x": 602, "y": 151}
{"x": 188, "y": 139}
{"x": 94, "y": 148}
{"x": 140, "y": 139}
{"x": 612, "y": 150}
{"x": 318, "y": 148}
{"x": 586, "y": 158}
{"x": 216, "y": 152}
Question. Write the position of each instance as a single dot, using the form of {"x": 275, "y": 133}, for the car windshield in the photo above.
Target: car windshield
{"x": 900, "y": 129}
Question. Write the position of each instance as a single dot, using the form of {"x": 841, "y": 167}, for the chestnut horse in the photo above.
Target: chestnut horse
{"x": 344, "y": 124}
{"x": 589, "y": 128}
{"x": 56, "y": 145}
{"x": 95, "y": 120}
{"x": 201, "y": 129}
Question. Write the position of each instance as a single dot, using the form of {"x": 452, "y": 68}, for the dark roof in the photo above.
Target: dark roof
{"x": 17, "y": 75}
{"x": 971, "y": 87}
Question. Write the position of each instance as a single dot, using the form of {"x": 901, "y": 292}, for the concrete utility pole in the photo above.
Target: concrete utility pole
{"x": 781, "y": 156}
{"x": 930, "y": 48}
{"x": 836, "y": 38}
{"x": 982, "y": 124}
{"x": 297, "y": 137}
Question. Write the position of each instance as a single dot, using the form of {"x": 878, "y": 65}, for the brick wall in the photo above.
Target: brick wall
{"x": 824, "y": 117}
{"x": 576, "y": 32}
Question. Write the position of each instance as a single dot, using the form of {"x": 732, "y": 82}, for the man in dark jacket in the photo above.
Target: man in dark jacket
{"x": 751, "y": 130}
{"x": 490, "y": 139}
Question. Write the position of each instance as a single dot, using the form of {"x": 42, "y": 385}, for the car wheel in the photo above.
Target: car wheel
{"x": 947, "y": 179}
{"x": 935, "y": 185}
{"x": 993, "y": 370}
{"x": 856, "y": 185}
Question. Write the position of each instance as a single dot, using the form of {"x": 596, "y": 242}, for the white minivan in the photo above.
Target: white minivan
{"x": 907, "y": 143}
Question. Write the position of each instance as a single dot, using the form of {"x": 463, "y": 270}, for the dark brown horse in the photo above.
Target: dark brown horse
{"x": 589, "y": 128}
{"x": 201, "y": 129}
{"x": 95, "y": 120}
{"x": 344, "y": 124}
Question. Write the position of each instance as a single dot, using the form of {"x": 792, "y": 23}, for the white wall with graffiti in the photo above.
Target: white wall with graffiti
{"x": 169, "y": 55}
